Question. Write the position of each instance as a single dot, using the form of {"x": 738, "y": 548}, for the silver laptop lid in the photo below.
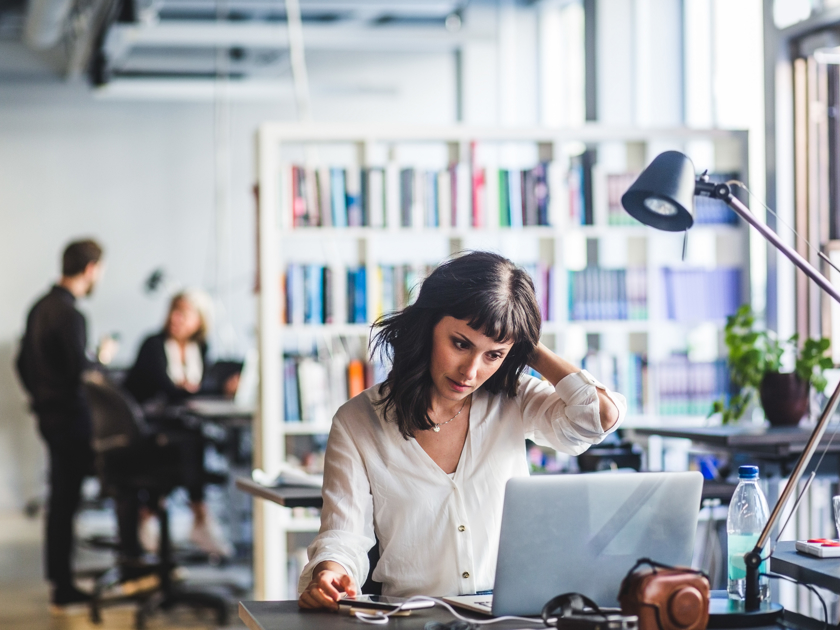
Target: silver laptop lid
{"x": 583, "y": 533}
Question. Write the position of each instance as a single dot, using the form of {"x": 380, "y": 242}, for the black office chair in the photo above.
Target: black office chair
{"x": 130, "y": 459}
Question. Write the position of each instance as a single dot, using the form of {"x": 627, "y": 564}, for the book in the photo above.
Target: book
{"x": 291, "y": 405}
{"x": 393, "y": 195}
{"x": 322, "y": 176}
{"x": 407, "y": 194}
{"x": 504, "y": 198}
{"x": 338, "y": 197}
{"x": 313, "y": 280}
{"x": 515, "y": 199}
{"x": 444, "y": 196}
{"x": 463, "y": 194}
{"x": 355, "y": 378}
{"x": 353, "y": 195}
{"x": 375, "y": 197}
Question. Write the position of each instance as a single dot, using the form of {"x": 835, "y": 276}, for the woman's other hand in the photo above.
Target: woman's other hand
{"x": 329, "y": 580}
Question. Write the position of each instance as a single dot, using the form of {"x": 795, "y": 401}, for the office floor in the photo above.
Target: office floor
{"x": 24, "y": 596}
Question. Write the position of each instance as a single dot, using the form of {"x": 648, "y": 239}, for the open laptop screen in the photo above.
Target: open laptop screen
{"x": 583, "y": 533}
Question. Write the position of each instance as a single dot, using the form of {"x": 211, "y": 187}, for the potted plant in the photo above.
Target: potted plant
{"x": 755, "y": 363}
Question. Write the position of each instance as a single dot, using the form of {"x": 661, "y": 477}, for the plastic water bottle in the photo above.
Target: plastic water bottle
{"x": 747, "y": 517}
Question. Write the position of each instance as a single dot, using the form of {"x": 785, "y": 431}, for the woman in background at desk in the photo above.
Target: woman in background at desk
{"x": 170, "y": 368}
{"x": 421, "y": 460}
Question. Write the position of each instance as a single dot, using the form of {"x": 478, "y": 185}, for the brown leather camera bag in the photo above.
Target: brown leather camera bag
{"x": 665, "y": 597}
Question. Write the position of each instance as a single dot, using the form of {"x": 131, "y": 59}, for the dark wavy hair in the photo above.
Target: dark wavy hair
{"x": 490, "y": 293}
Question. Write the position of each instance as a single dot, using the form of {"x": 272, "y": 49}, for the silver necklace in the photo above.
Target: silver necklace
{"x": 437, "y": 426}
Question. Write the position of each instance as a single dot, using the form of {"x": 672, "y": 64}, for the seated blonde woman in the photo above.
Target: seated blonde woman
{"x": 170, "y": 367}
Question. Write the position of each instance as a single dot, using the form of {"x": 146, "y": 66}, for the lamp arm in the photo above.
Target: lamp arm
{"x": 723, "y": 192}
{"x": 753, "y": 559}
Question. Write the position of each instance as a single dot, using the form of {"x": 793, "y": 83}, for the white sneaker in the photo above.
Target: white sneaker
{"x": 209, "y": 538}
{"x": 149, "y": 534}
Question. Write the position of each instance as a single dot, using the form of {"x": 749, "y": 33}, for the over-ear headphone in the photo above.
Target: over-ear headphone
{"x": 573, "y": 611}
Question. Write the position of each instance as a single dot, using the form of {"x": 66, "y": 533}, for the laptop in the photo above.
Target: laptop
{"x": 583, "y": 533}
{"x": 243, "y": 402}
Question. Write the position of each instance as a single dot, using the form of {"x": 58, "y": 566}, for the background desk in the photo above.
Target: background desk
{"x": 822, "y": 572}
{"x": 287, "y": 496}
{"x": 773, "y": 444}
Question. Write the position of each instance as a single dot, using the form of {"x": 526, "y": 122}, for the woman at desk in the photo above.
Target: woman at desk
{"x": 170, "y": 368}
{"x": 421, "y": 460}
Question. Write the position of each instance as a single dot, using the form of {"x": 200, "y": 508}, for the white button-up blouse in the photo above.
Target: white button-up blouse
{"x": 439, "y": 535}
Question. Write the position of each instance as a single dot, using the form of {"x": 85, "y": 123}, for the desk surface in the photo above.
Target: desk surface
{"x": 824, "y": 572}
{"x": 286, "y": 615}
{"x": 288, "y": 496}
{"x": 218, "y": 409}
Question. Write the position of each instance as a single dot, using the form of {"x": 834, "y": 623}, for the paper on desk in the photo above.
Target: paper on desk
{"x": 287, "y": 475}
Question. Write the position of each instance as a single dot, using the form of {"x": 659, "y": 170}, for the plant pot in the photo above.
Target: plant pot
{"x": 784, "y": 398}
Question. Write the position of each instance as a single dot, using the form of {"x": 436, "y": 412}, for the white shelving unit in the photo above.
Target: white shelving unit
{"x": 281, "y": 145}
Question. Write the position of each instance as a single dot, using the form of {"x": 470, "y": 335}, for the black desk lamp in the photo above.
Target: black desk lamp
{"x": 663, "y": 197}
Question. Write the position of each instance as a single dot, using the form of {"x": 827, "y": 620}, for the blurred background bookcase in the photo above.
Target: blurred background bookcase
{"x": 351, "y": 217}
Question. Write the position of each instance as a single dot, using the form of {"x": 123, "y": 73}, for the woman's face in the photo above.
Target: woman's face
{"x": 184, "y": 321}
{"x": 463, "y": 358}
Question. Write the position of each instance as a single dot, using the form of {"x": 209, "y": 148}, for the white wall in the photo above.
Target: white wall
{"x": 139, "y": 176}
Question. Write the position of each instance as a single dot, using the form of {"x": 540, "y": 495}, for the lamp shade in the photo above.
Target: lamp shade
{"x": 663, "y": 195}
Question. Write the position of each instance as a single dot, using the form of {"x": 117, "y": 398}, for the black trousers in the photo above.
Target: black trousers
{"x": 70, "y": 461}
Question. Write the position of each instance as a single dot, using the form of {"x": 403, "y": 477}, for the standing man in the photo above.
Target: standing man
{"x": 51, "y": 362}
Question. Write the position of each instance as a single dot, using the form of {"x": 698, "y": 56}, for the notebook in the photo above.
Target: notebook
{"x": 583, "y": 533}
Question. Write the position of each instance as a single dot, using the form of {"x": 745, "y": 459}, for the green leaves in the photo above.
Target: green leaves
{"x": 753, "y": 353}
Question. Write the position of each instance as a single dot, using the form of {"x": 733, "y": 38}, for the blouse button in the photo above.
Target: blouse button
{"x": 461, "y": 528}
{"x": 465, "y": 574}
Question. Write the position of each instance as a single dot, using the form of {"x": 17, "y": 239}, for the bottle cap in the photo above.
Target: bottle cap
{"x": 748, "y": 472}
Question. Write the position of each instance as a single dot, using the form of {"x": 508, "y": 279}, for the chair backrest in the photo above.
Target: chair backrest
{"x": 118, "y": 421}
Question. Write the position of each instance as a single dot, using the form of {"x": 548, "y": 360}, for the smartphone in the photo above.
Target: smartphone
{"x": 382, "y": 603}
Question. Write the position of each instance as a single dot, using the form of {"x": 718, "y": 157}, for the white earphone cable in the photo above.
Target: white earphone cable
{"x": 381, "y": 618}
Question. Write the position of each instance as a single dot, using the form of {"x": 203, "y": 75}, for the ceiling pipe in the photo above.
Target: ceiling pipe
{"x": 299, "y": 73}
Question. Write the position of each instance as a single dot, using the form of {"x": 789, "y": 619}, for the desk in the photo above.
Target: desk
{"x": 822, "y": 572}
{"x": 775, "y": 444}
{"x": 287, "y": 496}
{"x": 287, "y": 616}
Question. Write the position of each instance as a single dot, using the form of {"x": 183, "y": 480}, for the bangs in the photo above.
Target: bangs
{"x": 499, "y": 319}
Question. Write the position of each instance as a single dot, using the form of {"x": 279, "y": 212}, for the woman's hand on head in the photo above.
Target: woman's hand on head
{"x": 329, "y": 580}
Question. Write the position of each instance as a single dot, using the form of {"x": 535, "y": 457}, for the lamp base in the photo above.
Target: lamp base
{"x": 730, "y": 613}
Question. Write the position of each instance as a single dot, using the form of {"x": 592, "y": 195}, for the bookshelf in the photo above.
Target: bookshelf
{"x": 388, "y": 231}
